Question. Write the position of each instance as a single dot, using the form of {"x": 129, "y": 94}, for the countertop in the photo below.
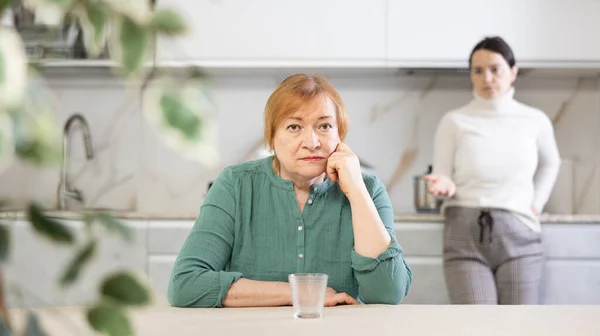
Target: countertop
{"x": 361, "y": 320}
{"x": 400, "y": 217}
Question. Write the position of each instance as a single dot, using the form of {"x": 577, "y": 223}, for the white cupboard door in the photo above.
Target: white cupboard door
{"x": 432, "y": 31}
{"x": 446, "y": 31}
{"x": 564, "y": 31}
{"x": 278, "y": 32}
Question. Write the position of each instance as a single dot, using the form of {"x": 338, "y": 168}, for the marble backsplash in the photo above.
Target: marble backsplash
{"x": 393, "y": 120}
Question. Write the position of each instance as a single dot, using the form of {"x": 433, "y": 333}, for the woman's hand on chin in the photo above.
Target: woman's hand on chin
{"x": 343, "y": 167}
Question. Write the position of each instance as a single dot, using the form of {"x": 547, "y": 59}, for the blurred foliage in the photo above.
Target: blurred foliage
{"x": 181, "y": 112}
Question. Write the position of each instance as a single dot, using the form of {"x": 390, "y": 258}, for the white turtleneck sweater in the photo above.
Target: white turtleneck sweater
{"x": 500, "y": 153}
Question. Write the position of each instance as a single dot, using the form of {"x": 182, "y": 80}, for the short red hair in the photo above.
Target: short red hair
{"x": 297, "y": 92}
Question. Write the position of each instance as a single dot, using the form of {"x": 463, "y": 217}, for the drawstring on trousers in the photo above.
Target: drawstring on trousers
{"x": 485, "y": 219}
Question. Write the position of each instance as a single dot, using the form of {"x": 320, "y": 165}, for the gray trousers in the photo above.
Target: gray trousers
{"x": 491, "y": 257}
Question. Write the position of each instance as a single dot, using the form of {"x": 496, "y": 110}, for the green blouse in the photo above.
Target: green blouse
{"x": 250, "y": 226}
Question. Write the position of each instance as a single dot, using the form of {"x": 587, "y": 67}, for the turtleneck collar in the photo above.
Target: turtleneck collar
{"x": 497, "y": 103}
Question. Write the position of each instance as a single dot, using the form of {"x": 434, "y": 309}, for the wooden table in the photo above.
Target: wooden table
{"x": 366, "y": 320}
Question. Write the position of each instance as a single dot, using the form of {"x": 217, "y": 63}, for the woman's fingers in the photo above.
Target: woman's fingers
{"x": 437, "y": 188}
{"x": 350, "y": 300}
{"x": 330, "y": 291}
{"x": 340, "y": 299}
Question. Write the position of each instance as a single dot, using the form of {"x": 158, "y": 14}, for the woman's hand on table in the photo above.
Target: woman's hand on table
{"x": 333, "y": 298}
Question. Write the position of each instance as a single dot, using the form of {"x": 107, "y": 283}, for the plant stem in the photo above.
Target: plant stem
{"x": 3, "y": 309}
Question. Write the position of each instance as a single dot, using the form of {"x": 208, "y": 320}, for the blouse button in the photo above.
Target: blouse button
{"x": 300, "y": 255}
{"x": 310, "y": 201}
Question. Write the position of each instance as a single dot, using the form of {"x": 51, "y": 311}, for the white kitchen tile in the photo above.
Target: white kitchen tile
{"x": 391, "y": 116}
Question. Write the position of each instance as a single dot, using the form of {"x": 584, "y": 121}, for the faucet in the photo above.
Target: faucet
{"x": 65, "y": 190}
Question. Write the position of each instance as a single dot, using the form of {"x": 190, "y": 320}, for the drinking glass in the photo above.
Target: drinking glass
{"x": 308, "y": 294}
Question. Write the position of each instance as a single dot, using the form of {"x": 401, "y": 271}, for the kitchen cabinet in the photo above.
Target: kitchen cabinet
{"x": 572, "y": 270}
{"x": 572, "y": 273}
{"x": 165, "y": 239}
{"x": 277, "y": 33}
{"x": 444, "y": 32}
{"x": 377, "y": 33}
{"x": 571, "y": 248}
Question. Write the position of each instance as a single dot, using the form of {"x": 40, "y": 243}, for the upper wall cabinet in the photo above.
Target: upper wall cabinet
{"x": 539, "y": 31}
{"x": 278, "y": 33}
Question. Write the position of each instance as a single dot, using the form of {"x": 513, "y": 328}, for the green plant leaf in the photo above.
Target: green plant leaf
{"x": 132, "y": 45}
{"x": 48, "y": 12}
{"x": 36, "y": 133}
{"x": 109, "y": 320}
{"x": 4, "y": 241}
{"x": 137, "y": 10}
{"x": 197, "y": 74}
{"x": 31, "y": 144}
{"x": 37, "y": 152}
{"x": 123, "y": 288}
{"x": 48, "y": 227}
{"x": 98, "y": 16}
{"x": 83, "y": 256}
{"x": 4, "y": 4}
{"x": 13, "y": 68}
{"x": 180, "y": 116}
{"x": 111, "y": 223}
{"x": 185, "y": 117}
{"x": 33, "y": 326}
{"x": 168, "y": 22}
{"x": 64, "y": 4}
{"x": 94, "y": 19}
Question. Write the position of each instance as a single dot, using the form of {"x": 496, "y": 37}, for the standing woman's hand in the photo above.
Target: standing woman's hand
{"x": 535, "y": 212}
{"x": 440, "y": 185}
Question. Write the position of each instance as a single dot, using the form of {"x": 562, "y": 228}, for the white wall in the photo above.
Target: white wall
{"x": 389, "y": 116}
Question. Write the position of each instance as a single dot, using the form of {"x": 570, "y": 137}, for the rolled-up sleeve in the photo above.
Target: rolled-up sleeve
{"x": 198, "y": 278}
{"x": 387, "y": 278}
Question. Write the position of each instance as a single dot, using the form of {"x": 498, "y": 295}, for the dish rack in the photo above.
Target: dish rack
{"x": 50, "y": 43}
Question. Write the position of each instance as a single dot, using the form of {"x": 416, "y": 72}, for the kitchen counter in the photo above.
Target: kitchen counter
{"x": 400, "y": 217}
{"x": 362, "y": 320}
{"x": 545, "y": 218}
{"x": 572, "y": 270}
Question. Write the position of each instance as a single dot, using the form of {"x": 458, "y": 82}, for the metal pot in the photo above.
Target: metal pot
{"x": 425, "y": 202}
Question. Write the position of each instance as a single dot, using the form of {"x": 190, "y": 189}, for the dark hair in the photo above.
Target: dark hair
{"x": 495, "y": 44}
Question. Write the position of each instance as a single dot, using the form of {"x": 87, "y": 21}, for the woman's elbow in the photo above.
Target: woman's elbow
{"x": 177, "y": 300}
{"x": 403, "y": 284}
{"x": 179, "y": 296}
{"x": 391, "y": 297}
{"x": 398, "y": 289}
{"x": 401, "y": 293}
{"x": 396, "y": 295}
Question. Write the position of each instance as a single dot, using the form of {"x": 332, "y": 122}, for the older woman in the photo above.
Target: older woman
{"x": 306, "y": 209}
{"x": 497, "y": 161}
